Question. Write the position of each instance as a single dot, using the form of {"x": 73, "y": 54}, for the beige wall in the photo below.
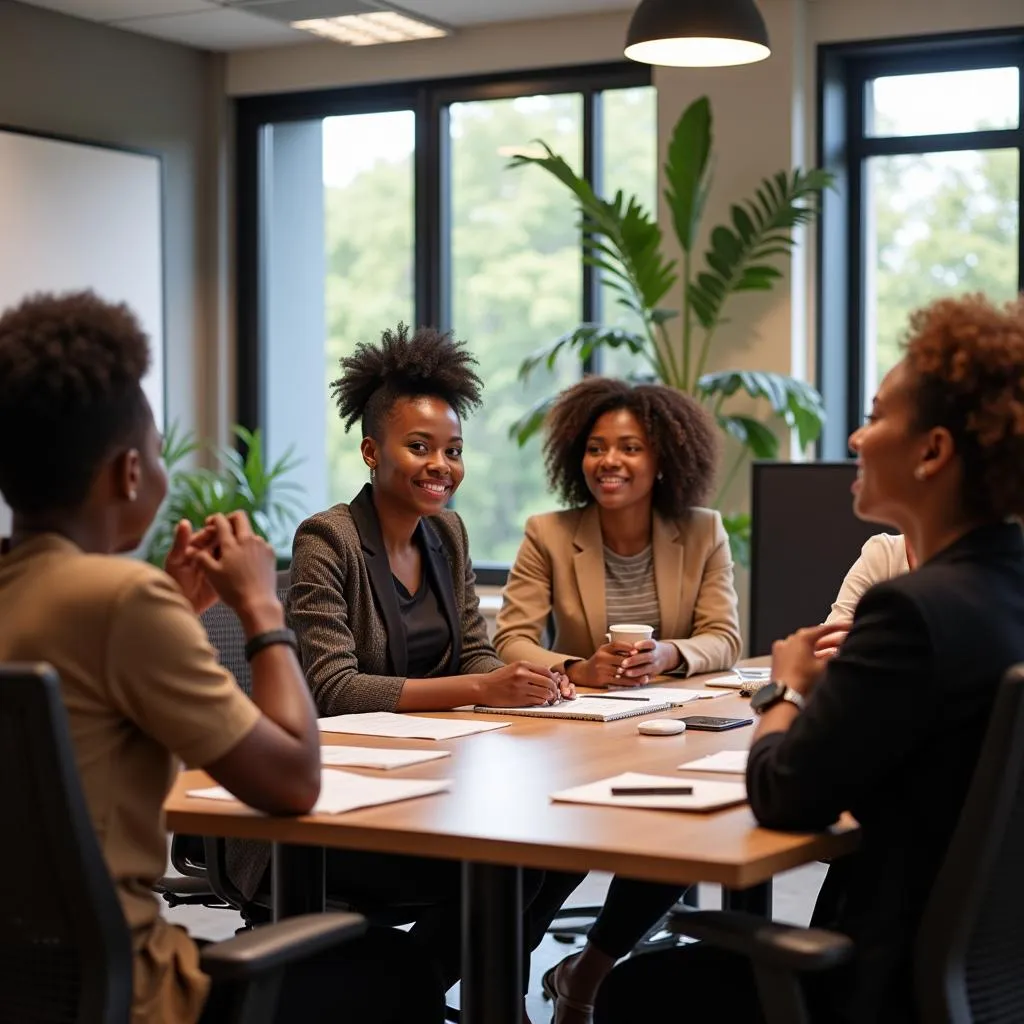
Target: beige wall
{"x": 72, "y": 77}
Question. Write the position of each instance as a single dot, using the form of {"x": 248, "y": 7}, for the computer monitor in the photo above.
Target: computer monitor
{"x": 804, "y": 538}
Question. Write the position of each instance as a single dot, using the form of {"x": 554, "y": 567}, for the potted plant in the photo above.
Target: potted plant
{"x": 240, "y": 482}
{"x": 624, "y": 242}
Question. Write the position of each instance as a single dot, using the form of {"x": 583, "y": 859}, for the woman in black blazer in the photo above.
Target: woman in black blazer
{"x": 384, "y": 605}
{"x": 891, "y": 727}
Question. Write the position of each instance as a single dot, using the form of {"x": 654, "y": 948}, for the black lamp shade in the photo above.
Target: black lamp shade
{"x": 697, "y": 33}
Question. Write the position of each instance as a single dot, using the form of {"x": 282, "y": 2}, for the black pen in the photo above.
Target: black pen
{"x": 601, "y": 696}
{"x": 652, "y": 790}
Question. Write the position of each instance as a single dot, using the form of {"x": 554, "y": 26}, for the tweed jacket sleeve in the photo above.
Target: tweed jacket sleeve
{"x": 329, "y": 603}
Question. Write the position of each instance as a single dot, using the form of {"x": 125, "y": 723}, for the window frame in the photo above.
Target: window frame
{"x": 844, "y": 69}
{"x": 429, "y": 101}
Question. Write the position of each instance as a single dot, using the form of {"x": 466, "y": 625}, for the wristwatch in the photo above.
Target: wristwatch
{"x": 771, "y": 693}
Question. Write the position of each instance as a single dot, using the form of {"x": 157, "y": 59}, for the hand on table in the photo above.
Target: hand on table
{"x": 524, "y": 685}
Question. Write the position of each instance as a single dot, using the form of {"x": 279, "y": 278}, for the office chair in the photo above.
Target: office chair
{"x": 969, "y": 952}
{"x": 190, "y": 855}
{"x": 65, "y": 949}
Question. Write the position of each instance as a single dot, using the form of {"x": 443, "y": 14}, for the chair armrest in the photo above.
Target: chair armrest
{"x": 274, "y": 946}
{"x": 765, "y": 942}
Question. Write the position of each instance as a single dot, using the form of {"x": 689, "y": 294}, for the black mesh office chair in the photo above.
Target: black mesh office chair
{"x": 191, "y": 856}
{"x": 969, "y": 955}
{"x": 65, "y": 949}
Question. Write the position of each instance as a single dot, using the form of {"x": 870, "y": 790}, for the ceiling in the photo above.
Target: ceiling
{"x": 244, "y": 24}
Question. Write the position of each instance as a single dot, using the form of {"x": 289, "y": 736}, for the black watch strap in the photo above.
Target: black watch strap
{"x": 261, "y": 641}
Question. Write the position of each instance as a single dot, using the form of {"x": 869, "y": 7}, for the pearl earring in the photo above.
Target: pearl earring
{"x": 660, "y": 476}
{"x": 920, "y": 474}
{"x": 133, "y": 495}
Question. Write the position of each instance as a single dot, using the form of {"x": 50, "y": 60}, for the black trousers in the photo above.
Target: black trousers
{"x": 380, "y": 978}
{"x": 391, "y": 889}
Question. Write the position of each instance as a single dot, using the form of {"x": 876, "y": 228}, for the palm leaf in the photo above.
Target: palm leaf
{"x": 796, "y": 401}
{"x": 583, "y": 342}
{"x": 687, "y": 170}
{"x": 619, "y": 232}
{"x": 531, "y": 421}
{"x": 752, "y": 434}
{"x": 761, "y": 230}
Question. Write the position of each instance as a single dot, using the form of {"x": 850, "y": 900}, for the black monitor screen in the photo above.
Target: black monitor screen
{"x": 804, "y": 539}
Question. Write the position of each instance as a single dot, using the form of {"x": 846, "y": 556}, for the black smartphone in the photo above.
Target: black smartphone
{"x": 709, "y": 724}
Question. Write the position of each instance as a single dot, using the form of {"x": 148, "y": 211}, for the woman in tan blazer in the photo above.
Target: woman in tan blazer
{"x": 632, "y": 462}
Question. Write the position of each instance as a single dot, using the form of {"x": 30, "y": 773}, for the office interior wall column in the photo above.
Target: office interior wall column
{"x": 295, "y": 399}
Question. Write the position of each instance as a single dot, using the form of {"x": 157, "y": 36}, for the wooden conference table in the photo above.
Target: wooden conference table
{"x": 497, "y": 818}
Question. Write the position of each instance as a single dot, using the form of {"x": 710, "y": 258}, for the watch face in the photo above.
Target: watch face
{"x": 767, "y": 695}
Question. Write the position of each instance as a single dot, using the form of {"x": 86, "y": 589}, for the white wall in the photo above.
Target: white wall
{"x": 72, "y": 77}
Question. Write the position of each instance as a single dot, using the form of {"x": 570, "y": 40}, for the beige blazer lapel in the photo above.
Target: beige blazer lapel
{"x": 588, "y": 565}
{"x": 668, "y": 572}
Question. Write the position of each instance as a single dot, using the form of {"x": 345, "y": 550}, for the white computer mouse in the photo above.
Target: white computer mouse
{"x": 662, "y": 727}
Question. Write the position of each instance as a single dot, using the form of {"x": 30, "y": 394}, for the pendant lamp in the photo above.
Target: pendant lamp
{"x": 697, "y": 33}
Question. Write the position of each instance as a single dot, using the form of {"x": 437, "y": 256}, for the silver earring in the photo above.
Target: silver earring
{"x": 660, "y": 476}
{"x": 133, "y": 495}
{"x": 920, "y": 474}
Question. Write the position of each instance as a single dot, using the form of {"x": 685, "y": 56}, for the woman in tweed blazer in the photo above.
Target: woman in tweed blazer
{"x": 383, "y": 602}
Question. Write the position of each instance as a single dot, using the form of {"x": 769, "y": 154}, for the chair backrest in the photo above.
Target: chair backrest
{"x": 65, "y": 950}
{"x": 969, "y": 962}
{"x": 228, "y": 638}
{"x": 804, "y": 537}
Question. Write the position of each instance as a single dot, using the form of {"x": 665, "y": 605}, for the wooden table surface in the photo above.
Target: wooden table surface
{"x": 499, "y": 810}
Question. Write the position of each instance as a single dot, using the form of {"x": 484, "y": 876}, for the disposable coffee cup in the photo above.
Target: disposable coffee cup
{"x": 629, "y": 634}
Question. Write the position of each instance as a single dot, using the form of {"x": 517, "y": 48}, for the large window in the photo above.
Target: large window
{"x": 926, "y": 139}
{"x": 361, "y": 209}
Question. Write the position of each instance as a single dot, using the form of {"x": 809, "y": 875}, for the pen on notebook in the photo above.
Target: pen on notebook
{"x": 652, "y": 790}
{"x": 602, "y": 696}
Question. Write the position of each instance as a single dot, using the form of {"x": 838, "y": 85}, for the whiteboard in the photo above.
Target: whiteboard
{"x": 77, "y": 215}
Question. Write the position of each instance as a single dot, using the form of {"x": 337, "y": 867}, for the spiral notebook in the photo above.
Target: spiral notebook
{"x": 587, "y": 708}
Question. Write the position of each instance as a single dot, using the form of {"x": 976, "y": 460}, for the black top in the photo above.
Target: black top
{"x": 427, "y": 633}
{"x": 892, "y": 734}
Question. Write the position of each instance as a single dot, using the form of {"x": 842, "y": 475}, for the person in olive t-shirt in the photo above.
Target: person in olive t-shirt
{"x": 80, "y": 467}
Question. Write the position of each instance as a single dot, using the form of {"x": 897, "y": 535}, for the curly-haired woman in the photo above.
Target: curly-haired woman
{"x": 941, "y": 458}
{"x": 633, "y": 463}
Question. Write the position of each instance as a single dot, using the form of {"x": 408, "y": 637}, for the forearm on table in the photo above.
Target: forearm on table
{"x": 440, "y": 694}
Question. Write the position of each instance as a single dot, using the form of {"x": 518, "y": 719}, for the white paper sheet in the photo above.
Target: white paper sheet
{"x": 410, "y": 727}
{"x": 740, "y": 676}
{"x": 588, "y": 707}
{"x": 722, "y": 761}
{"x": 706, "y": 796}
{"x": 377, "y": 757}
{"x": 345, "y": 791}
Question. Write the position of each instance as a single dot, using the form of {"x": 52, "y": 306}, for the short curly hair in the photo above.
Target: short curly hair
{"x": 428, "y": 363}
{"x": 680, "y": 432}
{"x": 71, "y": 368}
{"x": 966, "y": 356}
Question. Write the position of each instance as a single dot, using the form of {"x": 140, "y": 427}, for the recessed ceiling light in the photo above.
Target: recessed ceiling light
{"x": 371, "y": 29}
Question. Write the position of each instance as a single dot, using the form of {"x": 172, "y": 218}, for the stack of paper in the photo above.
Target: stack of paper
{"x": 705, "y": 796}
{"x": 377, "y": 757}
{"x": 740, "y": 677}
{"x": 386, "y": 723}
{"x": 588, "y": 707}
{"x": 345, "y": 791}
{"x": 723, "y": 761}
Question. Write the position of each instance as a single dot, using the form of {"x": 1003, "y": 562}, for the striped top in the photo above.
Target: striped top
{"x": 630, "y": 593}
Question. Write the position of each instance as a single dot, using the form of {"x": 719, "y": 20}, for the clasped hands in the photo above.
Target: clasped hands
{"x": 618, "y": 664}
{"x": 225, "y": 559}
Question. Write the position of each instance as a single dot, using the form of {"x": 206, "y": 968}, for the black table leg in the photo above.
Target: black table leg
{"x": 492, "y": 944}
{"x": 755, "y": 900}
{"x": 297, "y": 880}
